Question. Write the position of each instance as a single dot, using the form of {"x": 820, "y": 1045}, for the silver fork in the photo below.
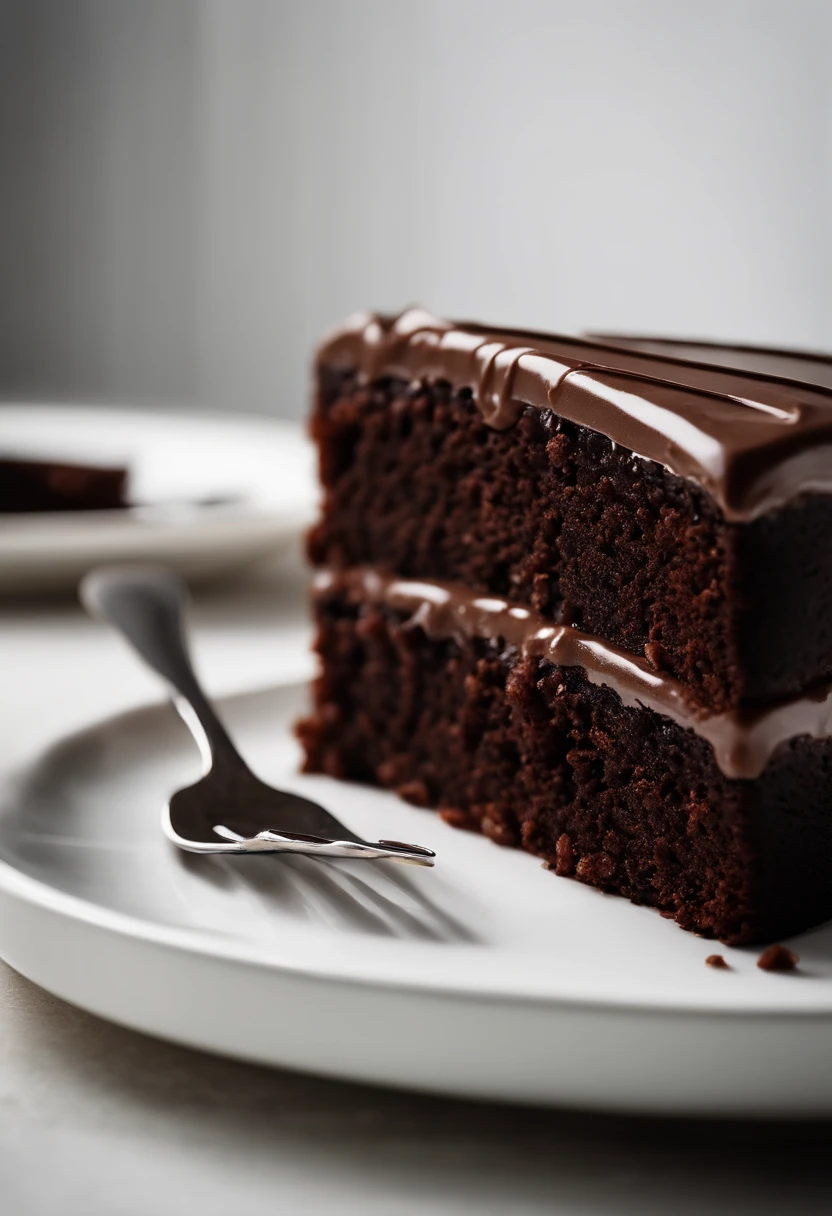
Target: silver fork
{"x": 228, "y": 810}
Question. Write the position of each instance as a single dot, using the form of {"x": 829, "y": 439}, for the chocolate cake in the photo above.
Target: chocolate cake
{"x": 577, "y": 593}
{"x": 36, "y": 485}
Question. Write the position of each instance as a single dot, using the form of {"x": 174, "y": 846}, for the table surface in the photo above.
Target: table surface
{"x": 95, "y": 1119}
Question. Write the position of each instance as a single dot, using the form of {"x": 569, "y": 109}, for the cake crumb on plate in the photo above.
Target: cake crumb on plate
{"x": 778, "y": 958}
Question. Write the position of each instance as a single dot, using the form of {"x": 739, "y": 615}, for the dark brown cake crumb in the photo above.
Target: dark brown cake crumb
{"x": 457, "y": 818}
{"x": 655, "y": 656}
{"x": 778, "y": 958}
{"x": 564, "y": 855}
{"x": 415, "y": 792}
{"x": 717, "y": 961}
{"x": 595, "y": 868}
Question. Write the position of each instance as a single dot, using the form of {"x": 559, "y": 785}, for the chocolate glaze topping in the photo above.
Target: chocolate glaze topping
{"x": 809, "y": 367}
{"x": 743, "y": 742}
{"x": 754, "y": 439}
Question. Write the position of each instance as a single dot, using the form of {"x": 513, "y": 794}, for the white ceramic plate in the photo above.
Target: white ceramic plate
{"x": 486, "y": 976}
{"x": 219, "y": 492}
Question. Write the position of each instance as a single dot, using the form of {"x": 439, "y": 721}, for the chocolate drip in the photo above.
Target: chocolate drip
{"x": 742, "y": 742}
{"x": 754, "y": 441}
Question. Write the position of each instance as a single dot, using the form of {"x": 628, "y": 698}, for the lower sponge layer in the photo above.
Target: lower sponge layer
{"x": 535, "y": 757}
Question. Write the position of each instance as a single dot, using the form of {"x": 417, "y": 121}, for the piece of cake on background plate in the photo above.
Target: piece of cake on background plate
{"x": 41, "y": 486}
{"x": 577, "y": 594}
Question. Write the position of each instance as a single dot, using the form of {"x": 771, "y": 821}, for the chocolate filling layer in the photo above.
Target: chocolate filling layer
{"x": 743, "y": 742}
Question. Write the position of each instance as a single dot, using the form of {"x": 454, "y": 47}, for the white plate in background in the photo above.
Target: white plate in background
{"x": 218, "y": 492}
{"x": 486, "y": 977}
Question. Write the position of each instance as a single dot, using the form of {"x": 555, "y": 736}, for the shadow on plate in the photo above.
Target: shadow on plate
{"x": 332, "y": 892}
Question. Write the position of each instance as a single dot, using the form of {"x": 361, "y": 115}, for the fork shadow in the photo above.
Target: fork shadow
{"x": 327, "y": 891}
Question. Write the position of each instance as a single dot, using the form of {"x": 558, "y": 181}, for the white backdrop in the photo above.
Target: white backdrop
{"x": 195, "y": 189}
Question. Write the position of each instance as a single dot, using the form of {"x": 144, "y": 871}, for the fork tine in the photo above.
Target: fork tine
{"x": 319, "y": 846}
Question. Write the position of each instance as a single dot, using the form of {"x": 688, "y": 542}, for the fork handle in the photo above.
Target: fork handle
{"x": 146, "y": 605}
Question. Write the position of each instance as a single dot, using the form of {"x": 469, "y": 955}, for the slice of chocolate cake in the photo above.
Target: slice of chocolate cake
{"x": 38, "y": 485}
{"x": 578, "y": 595}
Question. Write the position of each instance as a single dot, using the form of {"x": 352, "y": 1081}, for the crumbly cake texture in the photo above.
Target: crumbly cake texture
{"x": 554, "y": 515}
{"x": 535, "y": 757}
{"x": 36, "y": 486}
{"x": 675, "y": 511}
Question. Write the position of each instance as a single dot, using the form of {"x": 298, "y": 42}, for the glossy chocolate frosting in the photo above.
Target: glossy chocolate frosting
{"x": 753, "y": 439}
{"x": 742, "y": 742}
{"x": 809, "y": 367}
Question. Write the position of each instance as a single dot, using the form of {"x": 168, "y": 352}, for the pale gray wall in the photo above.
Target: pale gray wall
{"x": 194, "y": 189}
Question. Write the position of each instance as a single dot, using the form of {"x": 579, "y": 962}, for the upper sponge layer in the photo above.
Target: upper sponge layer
{"x": 753, "y": 439}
